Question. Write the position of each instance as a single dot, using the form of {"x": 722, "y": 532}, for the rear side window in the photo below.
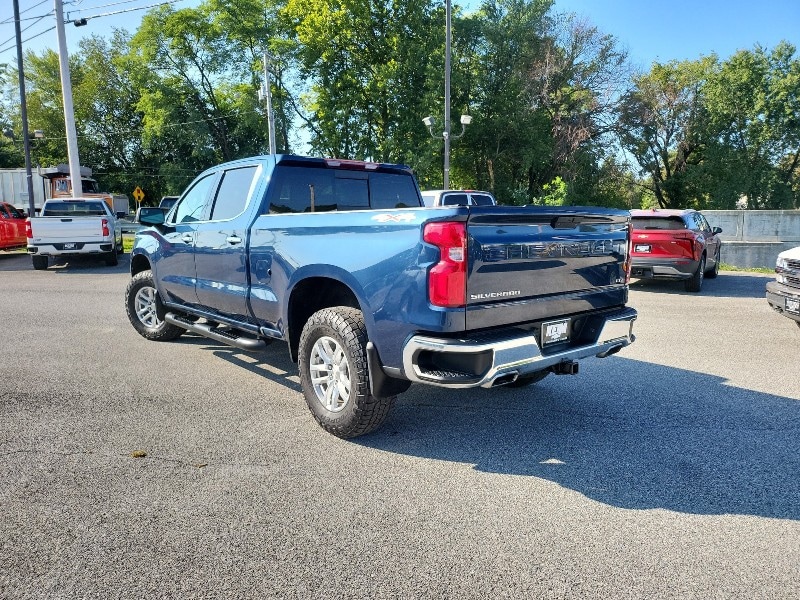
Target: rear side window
{"x": 233, "y": 192}
{"x": 305, "y": 189}
{"x": 482, "y": 200}
{"x": 658, "y": 223}
{"x": 455, "y": 200}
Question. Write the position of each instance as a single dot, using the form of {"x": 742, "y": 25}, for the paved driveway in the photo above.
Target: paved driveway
{"x": 670, "y": 470}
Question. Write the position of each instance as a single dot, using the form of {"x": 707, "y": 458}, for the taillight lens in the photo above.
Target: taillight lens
{"x": 106, "y": 232}
{"x": 686, "y": 244}
{"x": 626, "y": 265}
{"x": 447, "y": 279}
{"x": 28, "y": 229}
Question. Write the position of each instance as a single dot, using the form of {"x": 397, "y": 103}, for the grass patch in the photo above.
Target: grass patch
{"x": 725, "y": 267}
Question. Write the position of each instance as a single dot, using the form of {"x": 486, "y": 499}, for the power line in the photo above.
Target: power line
{"x": 11, "y": 19}
{"x": 12, "y": 47}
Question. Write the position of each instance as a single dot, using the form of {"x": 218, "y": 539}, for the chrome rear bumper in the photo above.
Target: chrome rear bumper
{"x": 500, "y": 358}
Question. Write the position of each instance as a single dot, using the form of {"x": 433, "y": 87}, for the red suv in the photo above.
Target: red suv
{"x": 674, "y": 244}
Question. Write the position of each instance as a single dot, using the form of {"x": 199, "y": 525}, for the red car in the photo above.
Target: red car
{"x": 674, "y": 244}
{"x": 12, "y": 227}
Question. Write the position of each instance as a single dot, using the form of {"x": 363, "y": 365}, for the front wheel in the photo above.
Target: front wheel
{"x": 334, "y": 375}
{"x": 145, "y": 311}
{"x": 712, "y": 274}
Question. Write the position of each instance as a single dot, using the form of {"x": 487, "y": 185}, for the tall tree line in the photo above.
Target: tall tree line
{"x": 558, "y": 114}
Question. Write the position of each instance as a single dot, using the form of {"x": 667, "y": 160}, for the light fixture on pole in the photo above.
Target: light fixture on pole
{"x": 447, "y": 136}
{"x": 465, "y": 119}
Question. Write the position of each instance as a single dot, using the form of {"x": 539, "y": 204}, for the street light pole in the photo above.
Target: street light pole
{"x": 24, "y": 111}
{"x": 69, "y": 111}
{"x": 446, "y": 134}
{"x": 465, "y": 119}
{"x": 268, "y": 94}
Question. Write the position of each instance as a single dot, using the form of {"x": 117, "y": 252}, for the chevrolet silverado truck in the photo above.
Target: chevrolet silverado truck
{"x": 783, "y": 294}
{"x": 74, "y": 227}
{"x": 371, "y": 290}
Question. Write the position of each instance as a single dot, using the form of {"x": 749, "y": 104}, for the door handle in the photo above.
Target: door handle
{"x": 234, "y": 239}
{"x": 188, "y": 238}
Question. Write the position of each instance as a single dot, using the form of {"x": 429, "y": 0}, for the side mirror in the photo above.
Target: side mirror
{"x": 150, "y": 215}
{"x": 716, "y": 230}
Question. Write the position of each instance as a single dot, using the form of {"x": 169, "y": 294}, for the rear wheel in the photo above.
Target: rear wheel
{"x": 334, "y": 375}
{"x": 528, "y": 379}
{"x": 145, "y": 310}
{"x": 39, "y": 262}
{"x": 696, "y": 282}
{"x": 111, "y": 258}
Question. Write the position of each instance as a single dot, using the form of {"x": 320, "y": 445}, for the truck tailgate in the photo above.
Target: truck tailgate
{"x": 67, "y": 229}
{"x": 527, "y": 264}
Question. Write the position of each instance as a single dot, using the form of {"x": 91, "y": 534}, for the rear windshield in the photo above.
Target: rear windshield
{"x": 308, "y": 189}
{"x": 73, "y": 209}
{"x": 658, "y": 223}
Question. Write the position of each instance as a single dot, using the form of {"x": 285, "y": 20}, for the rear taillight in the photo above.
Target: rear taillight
{"x": 28, "y": 229}
{"x": 447, "y": 279}
{"x": 106, "y": 232}
{"x": 687, "y": 244}
{"x": 626, "y": 265}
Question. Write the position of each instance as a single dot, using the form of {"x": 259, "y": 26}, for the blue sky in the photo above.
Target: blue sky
{"x": 686, "y": 29}
{"x": 650, "y": 30}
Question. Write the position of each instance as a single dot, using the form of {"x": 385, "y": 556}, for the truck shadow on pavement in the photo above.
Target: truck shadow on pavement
{"x": 10, "y": 261}
{"x": 647, "y": 437}
{"x": 727, "y": 285}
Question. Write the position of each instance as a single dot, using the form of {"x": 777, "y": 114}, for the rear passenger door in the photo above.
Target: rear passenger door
{"x": 220, "y": 246}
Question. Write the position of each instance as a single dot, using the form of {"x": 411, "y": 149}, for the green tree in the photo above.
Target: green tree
{"x": 753, "y": 108}
{"x": 365, "y": 63}
{"x": 661, "y": 124}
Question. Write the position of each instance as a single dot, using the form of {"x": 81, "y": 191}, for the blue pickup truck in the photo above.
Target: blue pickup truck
{"x": 371, "y": 290}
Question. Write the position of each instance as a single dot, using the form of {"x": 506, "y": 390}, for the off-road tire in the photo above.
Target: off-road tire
{"x": 695, "y": 283}
{"x": 333, "y": 346}
{"x": 146, "y": 311}
{"x": 528, "y": 379}
{"x": 39, "y": 262}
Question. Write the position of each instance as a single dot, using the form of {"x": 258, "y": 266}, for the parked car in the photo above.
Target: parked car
{"x": 12, "y": 227}
{"x": 783, "y": 294}
{"x": 674, "y": 244}
{"x": 457, "y": 198}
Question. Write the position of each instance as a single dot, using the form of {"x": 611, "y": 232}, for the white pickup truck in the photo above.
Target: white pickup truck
{"x": 72, "y": 227}
{"x": 783, "y": 294}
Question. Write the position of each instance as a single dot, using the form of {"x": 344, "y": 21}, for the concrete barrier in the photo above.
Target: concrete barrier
{"x": 754, "y": 238}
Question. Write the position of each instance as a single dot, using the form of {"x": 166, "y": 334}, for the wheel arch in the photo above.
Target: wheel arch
{"x": 311, "y": 295}
{"x": 139, "y": 263}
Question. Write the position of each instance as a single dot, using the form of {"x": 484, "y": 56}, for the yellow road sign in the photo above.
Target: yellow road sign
{"x": 138, "y": 194}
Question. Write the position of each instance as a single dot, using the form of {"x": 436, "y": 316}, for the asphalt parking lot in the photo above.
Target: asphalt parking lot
{"x": 135, "y": 469}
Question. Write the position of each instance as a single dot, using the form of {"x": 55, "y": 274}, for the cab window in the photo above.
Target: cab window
{"x": 192, "y": 205}
{"x": 233, "y": 192}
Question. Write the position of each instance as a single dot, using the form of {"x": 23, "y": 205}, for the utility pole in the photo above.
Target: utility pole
{"x": 24, "y": 111}
{"x": 69, "y": 111}
{"x": 266, "y": 92}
